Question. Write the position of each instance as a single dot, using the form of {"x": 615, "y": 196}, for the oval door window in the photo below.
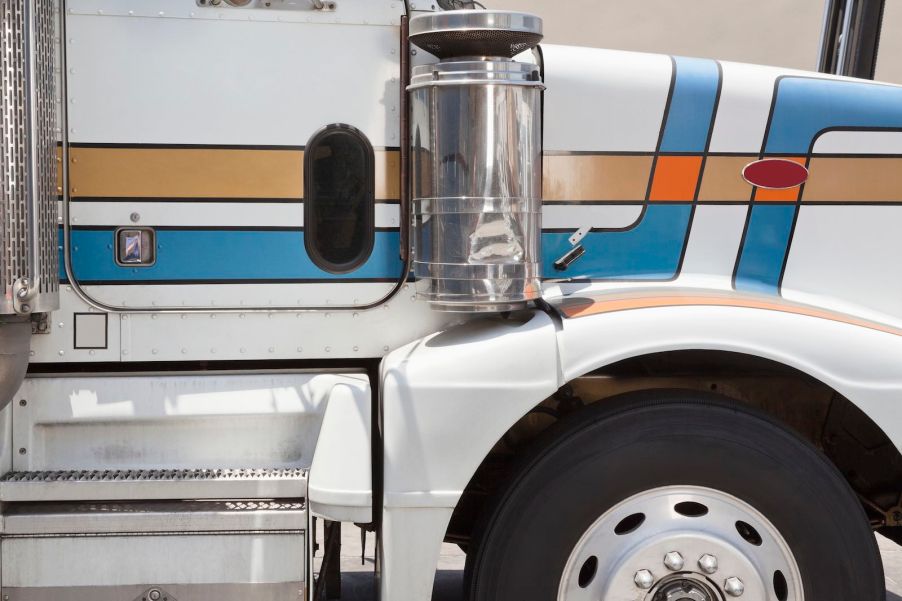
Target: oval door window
{"x": 339, "y": 198}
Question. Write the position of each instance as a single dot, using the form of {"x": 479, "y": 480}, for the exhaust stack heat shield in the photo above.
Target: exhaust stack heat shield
{"x": 29, "y": 259}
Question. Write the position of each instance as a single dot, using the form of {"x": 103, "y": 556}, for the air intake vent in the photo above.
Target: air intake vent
{"x": 476, "y": 33}
{"x": 476, "y": 156}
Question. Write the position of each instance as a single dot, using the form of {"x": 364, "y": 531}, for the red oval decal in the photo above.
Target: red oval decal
{"x": 775, "y": 174}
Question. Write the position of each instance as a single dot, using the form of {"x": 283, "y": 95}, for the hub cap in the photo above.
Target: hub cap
{"x": 681, "y": 543}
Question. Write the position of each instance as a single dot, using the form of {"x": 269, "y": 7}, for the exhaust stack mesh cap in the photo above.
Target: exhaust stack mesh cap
{"x": 456, "y": 33}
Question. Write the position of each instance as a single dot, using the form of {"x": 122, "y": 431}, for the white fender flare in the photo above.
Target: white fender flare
{"x": 448, "y": 398}
{"x": 861, "y": 360}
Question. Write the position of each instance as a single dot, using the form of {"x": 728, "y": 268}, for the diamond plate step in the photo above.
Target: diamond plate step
{"x": 111, "y": 517}
{"x": 102, "y": 485}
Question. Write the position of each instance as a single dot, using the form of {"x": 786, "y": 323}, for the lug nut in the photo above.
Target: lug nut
{"x": 644, "y": 579}
{"x": 708, "y": 563}
{"x": 734, "y": 586}
{"x": 674, "y": 561}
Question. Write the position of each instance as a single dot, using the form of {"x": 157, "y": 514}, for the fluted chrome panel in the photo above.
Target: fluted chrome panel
{"x": 29, "y": 263}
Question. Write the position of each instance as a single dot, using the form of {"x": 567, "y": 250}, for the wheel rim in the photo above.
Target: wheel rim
{"x": 681, "y": 543}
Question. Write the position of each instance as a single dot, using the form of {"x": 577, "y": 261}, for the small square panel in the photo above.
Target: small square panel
{"x": 90, "y": 330}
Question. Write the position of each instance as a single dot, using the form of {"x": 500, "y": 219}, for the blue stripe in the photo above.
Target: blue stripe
{"x": 805, "y": 107}
{"x": 766, "y": 244}
{"x": 223, "y": 255}
{"x": 650, "y": 251}
{"x": 692, "y": 105}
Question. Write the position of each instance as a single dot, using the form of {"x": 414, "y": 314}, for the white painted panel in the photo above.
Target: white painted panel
{"x": 556, "y": 216}
{"x": 199, "y": 81}
{"x": 848, "y": 255}
{"x": 329, "y": 335}
{"x": 859, "y": 142}
{"x": 124, "y": 560}
{"x": 208, "y": 214}
{"x": 91, "y": 330}
{"x": 745, "y": 101}
{"x": 373, "y": 12}
{"x": 601, "y": 100}
{"x": 251, "y": 336}
{"x": 341, "y": 475}
{"x": 713, "y": 243}
{"x": 58, "y": 343}
{"x": 174, "y": 422}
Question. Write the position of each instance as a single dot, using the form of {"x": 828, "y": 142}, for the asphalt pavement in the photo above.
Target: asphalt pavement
{"x": 358, "y": 579}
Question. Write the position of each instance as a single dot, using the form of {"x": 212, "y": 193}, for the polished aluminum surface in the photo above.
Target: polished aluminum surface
{"x": 674, "y": 561}
{"x": 477, "y": 184}
{"x": 83, "y": 485}
{"x": 476, "y": 32}
{"x": 111, "y": 517}
{"x": 721, "y": 560}
{"x": 282, "y": 591}
{"x": 29, "y": 266}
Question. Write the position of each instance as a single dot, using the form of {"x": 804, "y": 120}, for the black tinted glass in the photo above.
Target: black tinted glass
{"x": 339, "y": 199}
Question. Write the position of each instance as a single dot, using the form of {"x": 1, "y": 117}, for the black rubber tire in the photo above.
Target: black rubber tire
{"x": 591, "y": 461}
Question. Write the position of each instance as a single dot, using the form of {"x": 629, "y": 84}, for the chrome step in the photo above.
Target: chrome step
{"x": 101, "y": 485}
{"x": 23, "y": 519}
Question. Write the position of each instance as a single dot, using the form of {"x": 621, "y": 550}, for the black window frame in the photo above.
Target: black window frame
{"x": 310, "y": 200}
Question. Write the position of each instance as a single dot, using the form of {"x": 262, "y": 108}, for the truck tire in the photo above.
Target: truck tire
{"x": 671, "y": 496}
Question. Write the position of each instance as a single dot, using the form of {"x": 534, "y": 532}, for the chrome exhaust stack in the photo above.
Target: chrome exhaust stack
{"x": 29, "y": 255}
{"x": 476, "y": 153}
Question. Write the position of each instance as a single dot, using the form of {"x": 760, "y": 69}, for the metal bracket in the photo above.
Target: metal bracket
{"x": 155, "y": 593}
{"x": 23, "y": 292}
{"x": 40, "y": 323}
{"x": 579, "y": 234}
{"x": 576, "y": 252}
{"x": 893, "y": 515}
{"x": 569, "y": 258}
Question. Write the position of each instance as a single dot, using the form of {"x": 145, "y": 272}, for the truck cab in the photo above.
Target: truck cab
{"x": 622, "y": 326}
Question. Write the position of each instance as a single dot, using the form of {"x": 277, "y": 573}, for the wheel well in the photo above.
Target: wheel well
{"x": 856, "y": 445}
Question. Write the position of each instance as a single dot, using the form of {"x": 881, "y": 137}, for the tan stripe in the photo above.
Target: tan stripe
{"x": 722, "y": 180}
{"x": 854, "y": 180}
{"x": 595, "y": 177}
{"x": 388, "y": 175}
{"x": 204, "y": 173}
{"x": 582, "y": 307}
{"x": 185, "y": 173}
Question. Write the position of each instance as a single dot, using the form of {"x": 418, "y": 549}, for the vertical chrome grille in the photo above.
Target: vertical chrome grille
{"x": 29, "y": 263}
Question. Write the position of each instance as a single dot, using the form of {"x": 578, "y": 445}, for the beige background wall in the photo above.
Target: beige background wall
{"x": 773, "y": 32}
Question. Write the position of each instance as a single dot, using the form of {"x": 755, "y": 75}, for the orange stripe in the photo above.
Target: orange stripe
{"x": 585, "y": 306}
{"x": 675, "y": 178}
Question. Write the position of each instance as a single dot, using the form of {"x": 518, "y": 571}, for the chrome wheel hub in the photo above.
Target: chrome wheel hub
{"x": 685, "y": 588}
{"x": 681, "y": 543}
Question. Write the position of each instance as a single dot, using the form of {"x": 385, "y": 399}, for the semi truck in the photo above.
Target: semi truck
{"x": 621, "y": 326}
